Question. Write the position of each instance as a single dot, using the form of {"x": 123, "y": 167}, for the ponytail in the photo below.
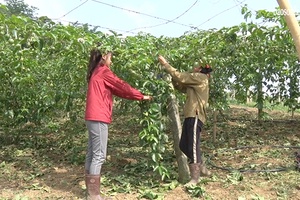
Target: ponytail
{"x": 95, "y": 57}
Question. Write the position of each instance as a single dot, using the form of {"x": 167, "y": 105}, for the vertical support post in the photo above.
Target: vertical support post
{"x": 291, "y": 21}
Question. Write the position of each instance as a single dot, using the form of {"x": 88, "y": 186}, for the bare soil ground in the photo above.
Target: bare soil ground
{"x": 48, "y": 174}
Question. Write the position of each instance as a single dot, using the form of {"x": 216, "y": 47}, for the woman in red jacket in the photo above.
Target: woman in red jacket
{"x": 102, "y": 85}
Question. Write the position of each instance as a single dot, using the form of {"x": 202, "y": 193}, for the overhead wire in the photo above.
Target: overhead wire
{"x": 197, "y": 27}
{"x": 220, "y": 13}
{"x": 94, "y": 26}
{"x": 87, "y": 24}
{"x": 125, "y": 31}
{"x": 73, "y": 9}
{"x": 148, "y": 15}
{"x": 152, "y": 26}
{"x": 141, "y": 13}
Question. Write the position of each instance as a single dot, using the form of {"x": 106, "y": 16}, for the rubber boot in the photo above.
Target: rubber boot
{"x": 204, "y": 171}
{"x": 92, "y": 183}
{"x": 195, "y": 173}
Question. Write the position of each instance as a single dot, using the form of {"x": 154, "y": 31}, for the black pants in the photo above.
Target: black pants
{"x": 190, "y": 139}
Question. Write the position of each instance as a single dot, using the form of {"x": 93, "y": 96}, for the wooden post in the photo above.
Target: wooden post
{"x": 176, "y": 128}
{"x": 291, "y": 21}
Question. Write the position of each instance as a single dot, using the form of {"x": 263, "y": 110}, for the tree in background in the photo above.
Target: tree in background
{"x": 19, "y": 7}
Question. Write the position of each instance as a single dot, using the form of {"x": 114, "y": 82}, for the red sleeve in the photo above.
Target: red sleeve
{"x": 121, "y": 88}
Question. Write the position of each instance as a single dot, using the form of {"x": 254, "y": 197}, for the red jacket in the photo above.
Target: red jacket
{"x": 101, "y": 88}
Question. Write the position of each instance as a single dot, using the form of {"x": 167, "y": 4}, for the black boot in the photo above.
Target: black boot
{"x": 195, "y": 173}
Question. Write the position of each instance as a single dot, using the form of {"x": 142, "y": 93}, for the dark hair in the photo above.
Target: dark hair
{"x": 206, "y": 70}
{"x": 95, "y": 57}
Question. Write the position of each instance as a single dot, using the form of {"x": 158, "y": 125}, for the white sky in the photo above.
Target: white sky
{"x": 205, "y": 13}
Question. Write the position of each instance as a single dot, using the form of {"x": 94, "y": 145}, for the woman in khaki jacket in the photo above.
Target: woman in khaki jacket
{"x": 195, "y": 85}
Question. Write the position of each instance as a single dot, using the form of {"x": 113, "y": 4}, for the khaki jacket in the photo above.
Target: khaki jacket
{"x": 195, "y": 85}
